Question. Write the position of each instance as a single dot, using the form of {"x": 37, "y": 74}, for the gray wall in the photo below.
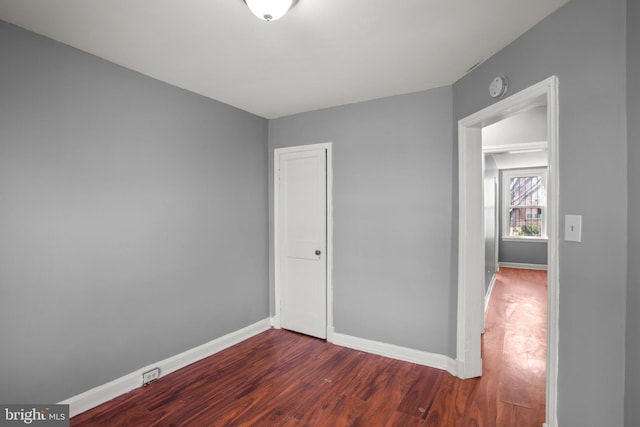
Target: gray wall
{"x": 523, "y": 252}
{"x": 392, "y": 214}
{"x": 491, "y": 178}
{"x": 520, "y": 252}
{"x": 583, "y": 43}
{"x": 632, "y": 397}
{"x": 133, "y": 220}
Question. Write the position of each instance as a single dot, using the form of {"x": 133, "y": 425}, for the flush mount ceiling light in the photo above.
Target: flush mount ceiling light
{"x": 269, "y": 10}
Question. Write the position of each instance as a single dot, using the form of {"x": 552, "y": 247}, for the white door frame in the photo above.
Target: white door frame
{"x": 276, "y": 231}
{"x": 471, "y": 231}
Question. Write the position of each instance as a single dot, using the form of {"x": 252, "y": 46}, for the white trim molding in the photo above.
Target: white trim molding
{"x": 392, "y": 351}
{"x": 470, "y": 251}
{"x": 524, "y": 266}
{"x": 103, "y": 393}
{"x": 522, "y": 146}
{"x": 471, "y": 231}
{"x": 524, "y": 239}
{"x": 487, "y": 297}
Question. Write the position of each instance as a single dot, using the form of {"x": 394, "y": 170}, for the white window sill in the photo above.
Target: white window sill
{"x": 524, "y": 239}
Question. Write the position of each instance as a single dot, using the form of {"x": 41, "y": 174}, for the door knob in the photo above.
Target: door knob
{"x": 318, "y": 252}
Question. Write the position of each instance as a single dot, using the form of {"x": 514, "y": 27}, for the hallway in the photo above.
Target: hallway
{"x": 514, "y": 346}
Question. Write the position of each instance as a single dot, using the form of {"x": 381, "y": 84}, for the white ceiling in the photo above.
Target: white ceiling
{"x": 323, "y": 53}
{"x": 523, "y": 128}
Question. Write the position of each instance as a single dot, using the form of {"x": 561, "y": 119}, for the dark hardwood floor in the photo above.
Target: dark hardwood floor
{"x": 280, "y": 378}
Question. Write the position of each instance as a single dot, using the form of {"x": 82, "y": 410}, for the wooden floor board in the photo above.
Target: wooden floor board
{"x": 419, "y": 398}
{"x": 280, "y": 378}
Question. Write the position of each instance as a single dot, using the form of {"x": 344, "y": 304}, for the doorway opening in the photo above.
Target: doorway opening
{"x": 471, "y": 250}
{"x": 514, "y": 341}
{"x": 515, "y": 171}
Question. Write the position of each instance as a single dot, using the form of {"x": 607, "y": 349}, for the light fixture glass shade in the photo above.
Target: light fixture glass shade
{"x": 269, "y": 10}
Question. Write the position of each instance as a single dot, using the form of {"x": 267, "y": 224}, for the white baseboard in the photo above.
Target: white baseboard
{"x": 487, "y": 297}
{"x": 275, "y": 322}
{"x": 103, "y": 393}
{"x": 433, "y": 360}
{"x": 523, "y": 265}
{"x": 331, "y": 332}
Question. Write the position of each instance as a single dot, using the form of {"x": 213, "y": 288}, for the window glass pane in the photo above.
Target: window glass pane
{"x": 526, "y": 191}
{"x": 524, "y": 201}
{"x": 525, "y": 222}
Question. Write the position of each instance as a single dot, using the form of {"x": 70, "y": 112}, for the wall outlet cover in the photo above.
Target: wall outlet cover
{"x": 150, "y": 376}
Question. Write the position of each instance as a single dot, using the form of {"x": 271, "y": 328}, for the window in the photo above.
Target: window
{"x": 524, "y": 200}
